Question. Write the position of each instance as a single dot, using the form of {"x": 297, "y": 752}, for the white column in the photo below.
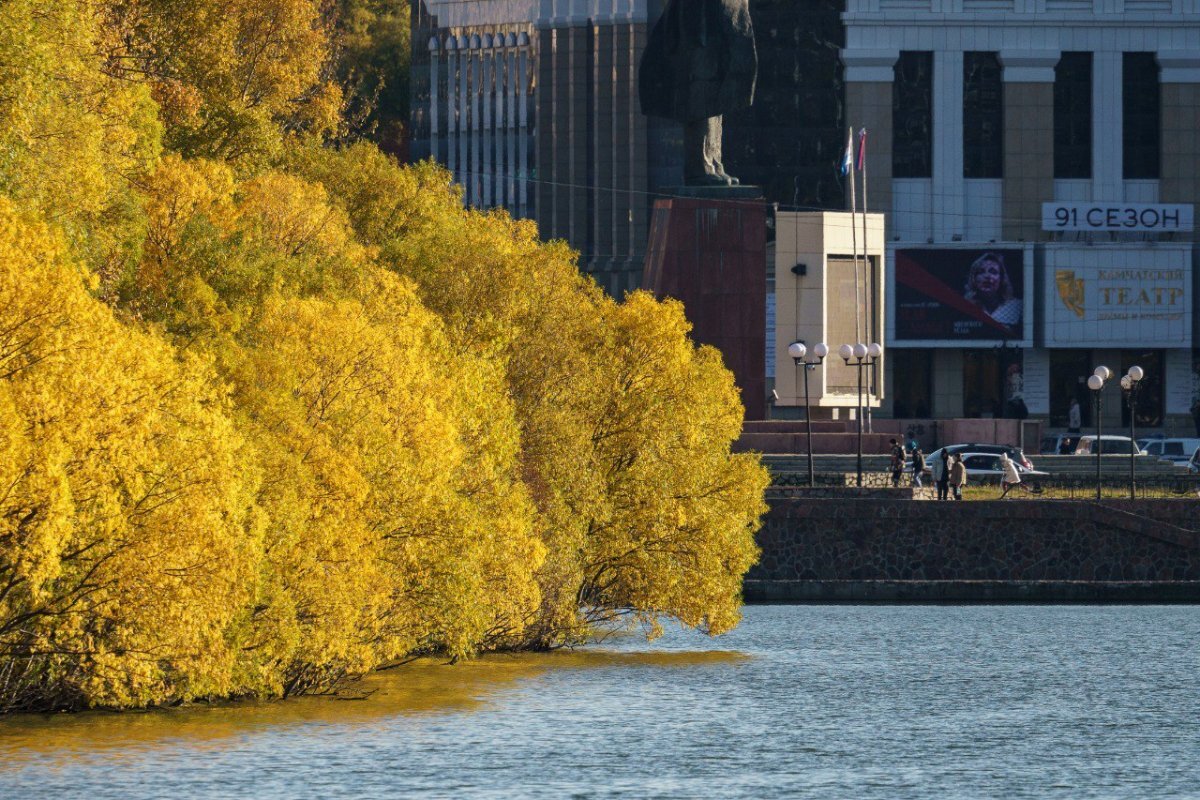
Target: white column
{"x": 948, "y": 188}
{"x": 523, "y": 127}
{"x": 1108, "y": 181}
{"x": 452, "y": 106}
{"x": 502, "y": 60}
{"x": 464, "y": 84}
{"x": 476, "y": 127}
{"x": 434, "y": 100}
{"x": 500, "y": 94}
{"x": 510, "y": 133}
{"x": 485, "y": 176}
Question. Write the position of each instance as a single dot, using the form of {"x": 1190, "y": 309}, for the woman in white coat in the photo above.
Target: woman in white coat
{"x": 1012, "y": 476}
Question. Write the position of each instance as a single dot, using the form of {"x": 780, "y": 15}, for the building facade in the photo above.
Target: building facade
{"x": 1039, "y": 164}
{"x": 1047, "y": 146}
{"x": 533, "y": 105}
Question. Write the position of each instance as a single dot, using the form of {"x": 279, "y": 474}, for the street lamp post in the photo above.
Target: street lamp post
{"x": 860, "y": 355}
{"x": 1130, "y": 383}
{"x": 798, "y": 351}
{"x": 1096, "y": 383}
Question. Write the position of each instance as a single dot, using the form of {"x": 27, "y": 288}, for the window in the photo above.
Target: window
{"x": 1150, "y": 388}
{"x": 1141, "y": 116}
{"x": 1069, "y": 371}
{"x": 912, "y": 383}
{"x": 983, "y": 116}
{"x": 1073, "y": 116}
{"x": 912, "y": 116}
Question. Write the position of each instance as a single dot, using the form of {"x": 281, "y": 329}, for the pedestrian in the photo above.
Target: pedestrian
{"x": 1011, "y": 478}
{"x": 918, "y": 467}
{"x": 958, "y": 476}
{"x": 1074, "y": 416}
{"x": 897, "y": 462}
{"x": 911, "y": 445}
{"x": 941, "y": 476}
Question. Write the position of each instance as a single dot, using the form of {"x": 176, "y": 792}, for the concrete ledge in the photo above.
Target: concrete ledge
{"x": 963, "y": 592}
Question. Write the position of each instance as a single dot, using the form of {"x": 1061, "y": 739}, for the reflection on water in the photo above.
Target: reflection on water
{"x": 840, "y": 702}
{"x": 425, "y": 686}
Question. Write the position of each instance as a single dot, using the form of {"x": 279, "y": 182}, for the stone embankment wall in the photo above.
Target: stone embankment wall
{"x": 887, "y": 550}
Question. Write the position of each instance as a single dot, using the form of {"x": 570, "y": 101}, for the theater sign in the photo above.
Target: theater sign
{"x": 1118, "y": 296}
{"x": 1117, "y": 217}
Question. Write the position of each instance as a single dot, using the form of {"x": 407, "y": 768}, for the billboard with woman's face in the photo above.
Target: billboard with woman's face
{"x": 951, "y": 295}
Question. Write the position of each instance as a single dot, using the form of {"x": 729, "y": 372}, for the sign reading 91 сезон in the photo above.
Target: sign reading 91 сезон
{"x": 947, "y": 295}
{"x": 1118, "y": 296}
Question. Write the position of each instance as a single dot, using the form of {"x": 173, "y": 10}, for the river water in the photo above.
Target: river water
{"x": 839, "y": 702}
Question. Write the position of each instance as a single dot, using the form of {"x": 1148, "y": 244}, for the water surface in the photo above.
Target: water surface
{"x": 845, "y": 701}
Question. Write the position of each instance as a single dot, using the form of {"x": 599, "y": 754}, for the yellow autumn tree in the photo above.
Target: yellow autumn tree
{"x": 396, "y": 523}
{"x": 127, "y": 538}
{"x": 232, "y": 77}
{"x": 72, "y": 137}
{"x": 567, "y": 352}
{"x": 396, "y": 517}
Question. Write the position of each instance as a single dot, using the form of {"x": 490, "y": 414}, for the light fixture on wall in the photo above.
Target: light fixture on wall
{"x": 956, "y": 237}
{"x": 800, "y": 269}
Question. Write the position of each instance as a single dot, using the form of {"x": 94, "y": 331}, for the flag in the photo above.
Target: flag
{"x": 862, "y": 149}
{"x": 848, "y": 158}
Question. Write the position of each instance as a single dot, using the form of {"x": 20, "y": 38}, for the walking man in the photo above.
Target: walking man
{"x": 897, "y": 462}
{"x": 918, "y": 467}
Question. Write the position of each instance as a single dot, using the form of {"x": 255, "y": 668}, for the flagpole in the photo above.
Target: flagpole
{"x": 854, "y": 232}
{"x": 854, "y": 247}
{"x": 868, "y": 282}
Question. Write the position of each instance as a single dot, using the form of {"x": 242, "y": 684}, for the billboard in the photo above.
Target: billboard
{"x": 951, "y": 295}
{"x": 1118, "y": 296}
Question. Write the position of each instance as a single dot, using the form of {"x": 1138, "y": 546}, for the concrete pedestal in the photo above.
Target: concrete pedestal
{"x": 710, "y": 254}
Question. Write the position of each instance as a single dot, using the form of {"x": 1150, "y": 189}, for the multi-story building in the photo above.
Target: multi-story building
{"x": 1060, "y": 136}
{"x": 533, "y": 105}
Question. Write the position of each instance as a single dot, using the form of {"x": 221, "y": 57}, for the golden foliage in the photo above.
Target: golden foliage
{"x": 230, "y": 76}
{"x": 125, "y": 538}
{"x": 321, "y": 418}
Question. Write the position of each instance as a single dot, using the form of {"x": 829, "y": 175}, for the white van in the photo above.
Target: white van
{"x": 1177, "y": 451}
{"x": 1109, "y": 445}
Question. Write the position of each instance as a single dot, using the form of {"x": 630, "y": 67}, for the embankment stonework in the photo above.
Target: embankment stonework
{"x": 1029, "y": 550}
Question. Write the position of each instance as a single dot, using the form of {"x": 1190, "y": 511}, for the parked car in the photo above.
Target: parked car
{"x": 1060, "y": 444}
{"x": 1176, "y": 451}
{"x": 1015, "y": 453}
{"x": 1144, "y": 441}
{"x": 1109, "y": 445}
{"x": 985, "y": 468}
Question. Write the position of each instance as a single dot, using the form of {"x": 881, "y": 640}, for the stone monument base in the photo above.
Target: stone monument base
{"x": 714, "y": 192}
{"x": 708, "y": 250}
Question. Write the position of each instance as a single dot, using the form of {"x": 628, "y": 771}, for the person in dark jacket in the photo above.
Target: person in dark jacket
{"x": 699, "y": 64}
{"x": 896, "y": 464}
{"x": 941, "y": 476}
{"x": 918, "y": 467}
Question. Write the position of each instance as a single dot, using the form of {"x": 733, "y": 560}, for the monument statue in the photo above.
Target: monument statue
{"x": 699, "y": 64}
